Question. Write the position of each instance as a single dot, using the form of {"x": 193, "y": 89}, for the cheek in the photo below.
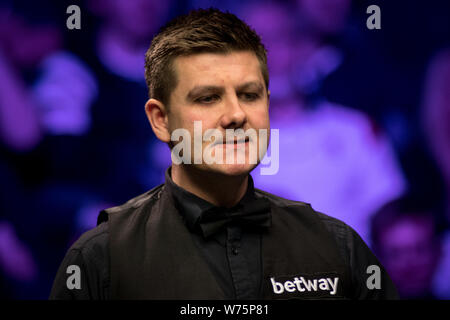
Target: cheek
{"x": 184, "y": 120}
{"x": 259, "y": 119}
{"x": 178, "y": 123}
{"x": 188, "y": 121}
{"x": 209, "y": 118}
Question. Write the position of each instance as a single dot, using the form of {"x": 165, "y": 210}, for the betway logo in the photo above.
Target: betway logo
{"x": 306, "y": 285}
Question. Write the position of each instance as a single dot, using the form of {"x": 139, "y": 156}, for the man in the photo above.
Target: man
{"x": 406, "y": 237}
{"x": 207, "y": 233}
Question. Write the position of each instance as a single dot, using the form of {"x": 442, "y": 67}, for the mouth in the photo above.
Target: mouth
{"x": 235, "y": 141}
{"x": 232, "y": 143}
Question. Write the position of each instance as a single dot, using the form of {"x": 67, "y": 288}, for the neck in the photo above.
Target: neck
{"x": 218, "y": 189}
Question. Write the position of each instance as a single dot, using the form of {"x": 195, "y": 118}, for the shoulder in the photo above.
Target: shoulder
{"x": 146, "y": 199}
{"x": 356, "y": 255}
{"x": 304, "y": 208}
{"x": 281, "y": 202}
{"x": 92, "y": 239}
{"x": 91, "y": 248}
{"x": 97, "y": 238}
{"x": 342, "y": 234}
{"x": 90, "y": 255}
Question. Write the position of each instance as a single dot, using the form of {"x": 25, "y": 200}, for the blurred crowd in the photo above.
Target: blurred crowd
{"x": 363, "y": 118}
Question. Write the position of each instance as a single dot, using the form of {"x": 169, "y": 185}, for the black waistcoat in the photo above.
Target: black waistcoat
{"x": 153, "y": 254}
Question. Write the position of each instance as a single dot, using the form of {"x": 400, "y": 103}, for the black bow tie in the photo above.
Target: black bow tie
{"x": 253, "y": 214}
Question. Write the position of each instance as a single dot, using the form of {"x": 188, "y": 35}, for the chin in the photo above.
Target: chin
{"x": 230, "y": 169}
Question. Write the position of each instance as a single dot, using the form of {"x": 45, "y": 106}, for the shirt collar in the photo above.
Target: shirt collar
{"x": 191, "y": 206}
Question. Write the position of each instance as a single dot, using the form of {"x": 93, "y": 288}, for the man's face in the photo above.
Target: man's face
{"x": 223, "y": 91}
{"x": 410, "y": 255}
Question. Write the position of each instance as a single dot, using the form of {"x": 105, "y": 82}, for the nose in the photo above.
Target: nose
{"x": 234, "y": 116}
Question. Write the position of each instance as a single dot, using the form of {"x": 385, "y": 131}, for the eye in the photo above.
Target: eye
{"x": 249, "y": 96}
{"x": 207, "y": 99}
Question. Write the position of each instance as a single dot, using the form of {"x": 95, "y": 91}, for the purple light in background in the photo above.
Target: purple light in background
{"x": 64, "y": 95}
{"x": 330, "y": 157}
{"x": 15, "y": 258}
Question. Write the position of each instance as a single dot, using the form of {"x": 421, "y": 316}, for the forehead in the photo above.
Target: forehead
{"x": 408, "y": 231}
{"x": 217, "y": 68}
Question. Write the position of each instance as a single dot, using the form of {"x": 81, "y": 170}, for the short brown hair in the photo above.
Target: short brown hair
{"x": 200, "y": 31}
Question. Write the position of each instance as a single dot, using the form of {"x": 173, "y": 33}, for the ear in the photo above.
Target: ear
{"x": 156, "y": 113}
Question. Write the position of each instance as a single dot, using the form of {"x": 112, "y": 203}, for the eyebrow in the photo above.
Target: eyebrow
{"x": 199, "y": 90}
{"x": 251, "y": 85}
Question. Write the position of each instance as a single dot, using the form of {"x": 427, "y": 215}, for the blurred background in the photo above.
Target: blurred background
{"x": 363, "y": 118}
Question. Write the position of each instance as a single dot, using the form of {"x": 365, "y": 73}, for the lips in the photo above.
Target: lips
{"x": 231, "y": 143}
{"x": 234, "y": 142}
